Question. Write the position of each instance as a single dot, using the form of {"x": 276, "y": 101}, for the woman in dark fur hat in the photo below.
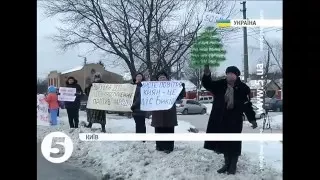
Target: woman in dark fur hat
{"x": 73, "y": 107}
{"x": 164, "y": 121}
{"x": 94, "y": 115}
{"x": 231, "y": 100}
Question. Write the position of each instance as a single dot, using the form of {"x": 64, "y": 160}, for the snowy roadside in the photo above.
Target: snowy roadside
{"x": 137, "y": 160}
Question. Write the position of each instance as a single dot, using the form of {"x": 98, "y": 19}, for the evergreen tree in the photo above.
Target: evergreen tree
{"x": 207, "y": 49}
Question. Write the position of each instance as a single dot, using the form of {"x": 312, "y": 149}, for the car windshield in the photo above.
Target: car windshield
{"x": 179, "y": 102}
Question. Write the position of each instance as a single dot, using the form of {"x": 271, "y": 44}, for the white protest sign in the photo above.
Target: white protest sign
{"x": 67, "y": 94}
{"x": 159, "y": 95}
{"x": 42, "y": 111}
{"x": 111, "y": 97}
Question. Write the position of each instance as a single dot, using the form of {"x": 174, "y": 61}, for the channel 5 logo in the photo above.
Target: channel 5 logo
{"x": 57, "y": 147}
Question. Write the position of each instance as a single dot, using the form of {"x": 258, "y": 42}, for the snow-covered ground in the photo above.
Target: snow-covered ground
{"x": 140, "y": 161}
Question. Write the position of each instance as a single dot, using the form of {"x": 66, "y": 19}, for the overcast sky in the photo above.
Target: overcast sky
{"x": 50, "y": 58}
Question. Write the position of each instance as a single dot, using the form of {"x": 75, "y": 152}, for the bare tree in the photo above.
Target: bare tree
{"x": 42, "y": 86}
{"x": 276, "y": 52}
{"x": 135, "y": 31}
{"x": 195, "y": 74}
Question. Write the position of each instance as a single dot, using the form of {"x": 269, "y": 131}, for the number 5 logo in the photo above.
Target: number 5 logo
{"x": 57, "y": 147}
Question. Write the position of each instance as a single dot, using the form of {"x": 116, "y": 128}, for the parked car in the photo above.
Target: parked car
{"x": 273, "y": 105}
{"x": 190, "y": 106}
{"x": 205, "y": 99}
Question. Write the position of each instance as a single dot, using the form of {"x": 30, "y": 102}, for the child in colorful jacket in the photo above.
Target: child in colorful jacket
{"x": 52, "y": 100}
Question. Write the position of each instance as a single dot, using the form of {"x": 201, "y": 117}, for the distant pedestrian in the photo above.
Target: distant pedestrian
{"x": 164, "y": 121}
{"x": 52, "y": 100}
{"x": 95, "y": 115}
{"x": 73, "y": 107}
{"x": 231, "y": 100}
{"x": 138, "y": 115}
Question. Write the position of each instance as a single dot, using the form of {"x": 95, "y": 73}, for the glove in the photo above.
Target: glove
{"x": 132, "y": 108}
{"x": 254, "y": 124}
{"x": 206, "y": 70}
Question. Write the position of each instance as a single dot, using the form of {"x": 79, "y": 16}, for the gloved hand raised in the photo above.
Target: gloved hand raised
{"x": 206, "y": 70}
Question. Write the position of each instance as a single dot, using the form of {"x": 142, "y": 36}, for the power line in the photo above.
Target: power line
{"x": 234, "y": 38}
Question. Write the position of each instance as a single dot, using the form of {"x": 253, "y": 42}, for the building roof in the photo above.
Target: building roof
{"x": 77, "y": 68}
{"x": 253, "y": 84}
{"x": 189, "y": 86}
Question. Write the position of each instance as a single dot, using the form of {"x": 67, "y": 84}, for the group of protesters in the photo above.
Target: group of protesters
{"x": 231, "y": 101}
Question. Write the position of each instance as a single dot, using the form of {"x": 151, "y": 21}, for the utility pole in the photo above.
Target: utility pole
{"x": 245, "y": 43}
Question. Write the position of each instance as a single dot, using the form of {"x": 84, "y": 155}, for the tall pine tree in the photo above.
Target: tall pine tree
{"x": 207, "y": 49}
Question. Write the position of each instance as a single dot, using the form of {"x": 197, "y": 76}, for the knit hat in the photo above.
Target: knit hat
{"x": 234, "y": 70}
{"x": 162, "y": 73}
{"x": 52, "y": 89}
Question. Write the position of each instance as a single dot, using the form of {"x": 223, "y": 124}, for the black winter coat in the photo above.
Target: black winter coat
{"x": 227, "y": 121}
{"x": 167, "y": 118}
{"x": 137, "y": 102}
{"x": 76, "y": 103}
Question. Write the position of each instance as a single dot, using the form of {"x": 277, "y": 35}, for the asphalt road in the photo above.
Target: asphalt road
{"x": 200, "y": 122}
{"x": 49, "y": 171}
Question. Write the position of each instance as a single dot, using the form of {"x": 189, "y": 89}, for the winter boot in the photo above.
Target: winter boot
{"x": 233, "y": 165}
{"x": 225, "y": 167}
{"x": 103, "y": 127}
{"x": 89, "y": 125}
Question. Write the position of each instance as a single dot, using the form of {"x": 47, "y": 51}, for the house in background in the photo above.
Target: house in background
{"x": 84, "y": 75}
{"x": 273, "y": 88}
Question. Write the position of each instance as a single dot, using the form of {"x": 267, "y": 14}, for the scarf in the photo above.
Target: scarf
{"x": 229, "y": 97}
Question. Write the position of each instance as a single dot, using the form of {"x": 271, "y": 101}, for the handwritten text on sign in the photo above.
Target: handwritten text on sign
{"x": 159, "y": 95}
{"x": 42, "y": 111}
{"x": 67, "y": 94}
{"x": 111, "y": 97}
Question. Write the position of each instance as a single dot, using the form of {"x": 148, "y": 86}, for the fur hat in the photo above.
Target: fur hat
{"x": 162, "y": 73}
{"x": 74, "y": 79}
{"x": 234, "y": 70}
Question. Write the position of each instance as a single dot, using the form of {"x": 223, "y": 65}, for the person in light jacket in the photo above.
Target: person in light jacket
{"x": 52, "y": 100}
{"x": 164, "y": 121}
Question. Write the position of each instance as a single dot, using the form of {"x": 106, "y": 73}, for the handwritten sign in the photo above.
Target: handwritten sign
{"x": 111, "y": 97}
{"x": 42, "y": 111}
{"x": 159, "y": 95}
{"x": 67, "y": 94}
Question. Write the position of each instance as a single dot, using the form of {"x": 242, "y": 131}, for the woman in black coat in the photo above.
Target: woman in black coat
{"x": 138, "y": 115}
{"x": 94, "y": 115}
{"x": 231, "y": 100}
{"x": 73, "y": 107}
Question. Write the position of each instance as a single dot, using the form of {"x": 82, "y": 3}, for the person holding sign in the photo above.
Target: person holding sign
{"x": 94, "y": 115}
{"x": 138, "y": 115}
{"x": 73, "y": 107}
{"x": 164, "y": 121}
{"x": 52, "y": 100}
{"x": 231, "y": 100}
